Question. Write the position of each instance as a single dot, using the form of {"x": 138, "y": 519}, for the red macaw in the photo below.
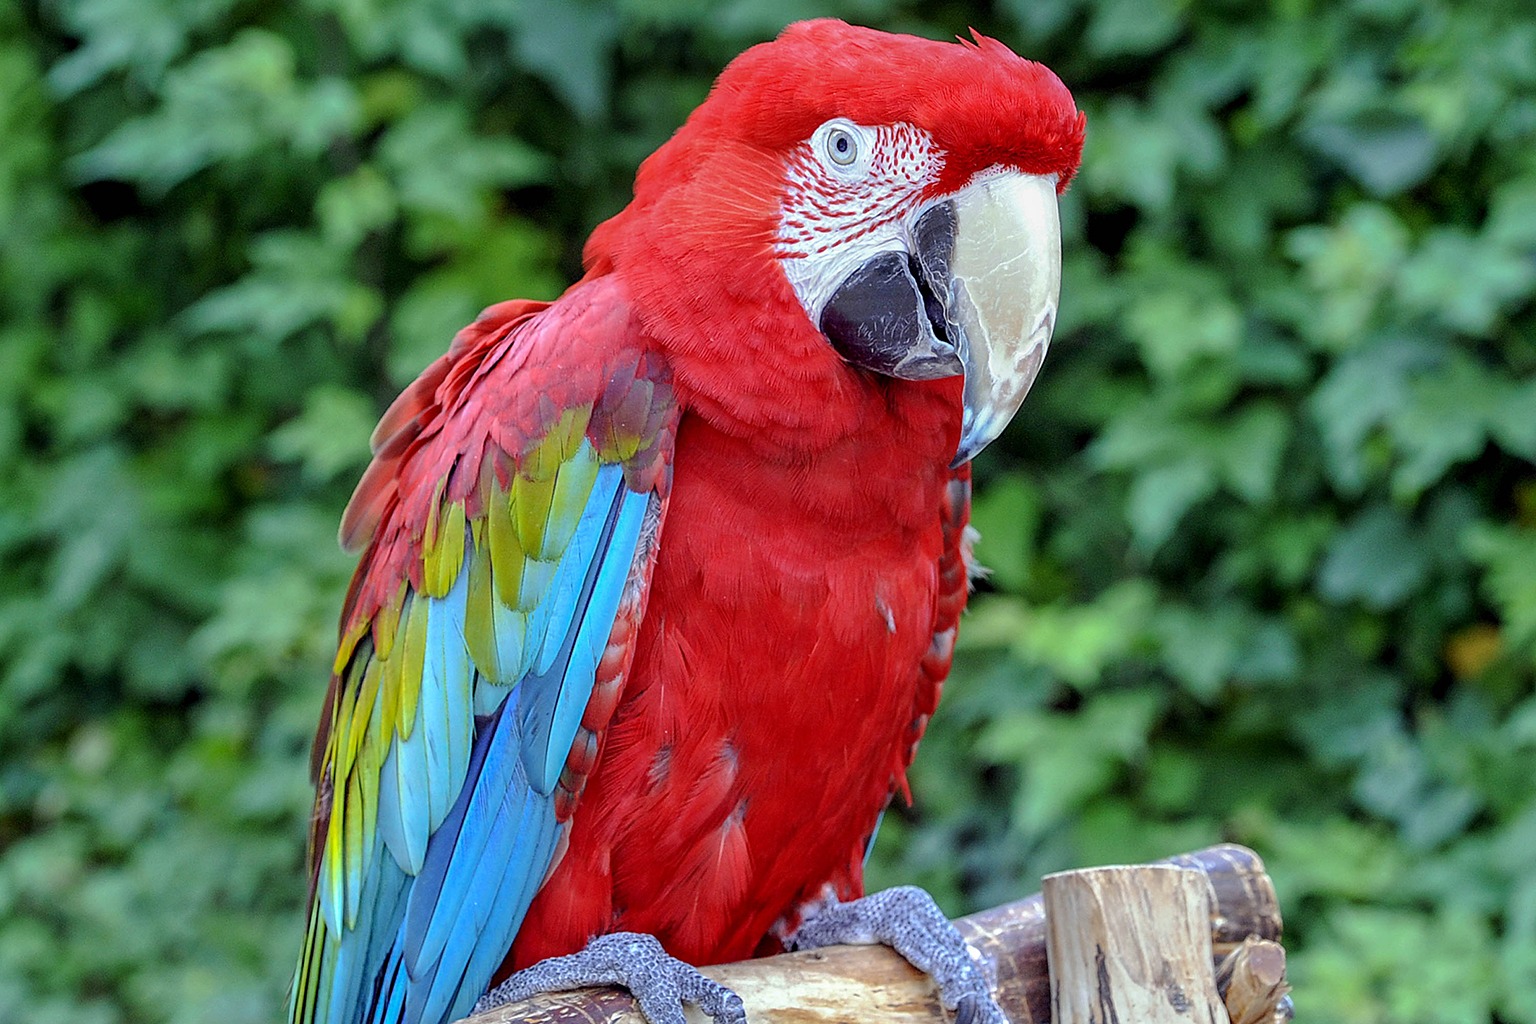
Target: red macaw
{"x": 660, "y": 581}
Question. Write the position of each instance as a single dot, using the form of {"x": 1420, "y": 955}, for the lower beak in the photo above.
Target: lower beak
{"x": 976, "y": 296}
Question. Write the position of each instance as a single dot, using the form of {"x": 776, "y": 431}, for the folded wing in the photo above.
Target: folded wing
{"x": 510, "y": 517}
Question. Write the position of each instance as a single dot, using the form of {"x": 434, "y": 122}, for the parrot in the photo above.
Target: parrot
{"x": 659, "y": 582}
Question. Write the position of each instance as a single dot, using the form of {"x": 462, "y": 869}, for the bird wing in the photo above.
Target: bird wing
{"x": 510, "y": 516}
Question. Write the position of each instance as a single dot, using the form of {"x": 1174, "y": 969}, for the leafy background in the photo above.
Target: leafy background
{"x": 1264, "y": 538}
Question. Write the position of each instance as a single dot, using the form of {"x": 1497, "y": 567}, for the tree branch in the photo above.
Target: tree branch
{"x": 861, "y": 984}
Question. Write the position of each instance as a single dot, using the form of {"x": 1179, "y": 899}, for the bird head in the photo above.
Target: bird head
{"x": 904, "y": 190}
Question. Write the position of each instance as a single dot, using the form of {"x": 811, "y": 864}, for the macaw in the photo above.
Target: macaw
{"x": 660, "y": 581}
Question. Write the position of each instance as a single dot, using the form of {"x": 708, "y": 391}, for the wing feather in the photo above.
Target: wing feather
{"x": 511, "y": 519}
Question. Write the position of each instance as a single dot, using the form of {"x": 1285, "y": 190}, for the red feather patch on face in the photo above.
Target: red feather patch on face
{"x": 981, "y": 103}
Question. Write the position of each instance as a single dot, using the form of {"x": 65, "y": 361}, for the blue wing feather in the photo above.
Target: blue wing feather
{"x": 445, "y": 684}
{"x": 410, "y": 764}
{"x": 523, "y": 826}
{"x": 503, "y": 917}
{"x": 431, "y": 936}
{"x": 461, "y": 838}
{"x": 555, "y": 694}
{"x": 390, "y": 824}
{"x": 586, "y": 649}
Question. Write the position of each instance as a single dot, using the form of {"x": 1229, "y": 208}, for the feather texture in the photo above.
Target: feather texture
{"x": 458, "y": 699}
{"x": 547, "y": 721}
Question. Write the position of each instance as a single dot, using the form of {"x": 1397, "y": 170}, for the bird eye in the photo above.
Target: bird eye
{"x": 842, "y": 147}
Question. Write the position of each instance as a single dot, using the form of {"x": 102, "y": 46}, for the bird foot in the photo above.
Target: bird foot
{"x": 906, "y": 919}
{"x": 659, "y": 982}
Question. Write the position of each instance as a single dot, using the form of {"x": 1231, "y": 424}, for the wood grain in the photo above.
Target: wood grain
{"x": 1131, "y": 943}
{"x": 858, "y": 984}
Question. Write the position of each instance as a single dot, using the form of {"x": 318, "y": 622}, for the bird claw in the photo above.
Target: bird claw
{"x": 968, "y": 1009}
{"x": 660, "y": 983}
{"x": 906, "y": 919}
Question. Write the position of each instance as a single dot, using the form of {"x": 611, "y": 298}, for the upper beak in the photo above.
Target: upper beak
{"x": 977, "y": 296}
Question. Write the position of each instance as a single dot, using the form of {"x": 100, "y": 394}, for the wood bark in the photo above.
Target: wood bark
{"x": 1252, "y": 982}
{"x": 870, "y": 984}
{"x": 1131, "y": 944}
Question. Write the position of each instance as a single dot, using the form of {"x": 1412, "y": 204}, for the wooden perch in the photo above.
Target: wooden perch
{"x": 1251, "y": 980}
{"x": 1132, "y": 944}
{"x": 844, "y": 984}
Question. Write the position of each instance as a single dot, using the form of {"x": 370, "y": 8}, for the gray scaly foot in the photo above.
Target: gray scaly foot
{"x": 906, "y": 919}
{"x": 660, "y": 983}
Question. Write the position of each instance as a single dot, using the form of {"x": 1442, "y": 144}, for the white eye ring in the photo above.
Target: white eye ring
{"x": 842, "y": 147}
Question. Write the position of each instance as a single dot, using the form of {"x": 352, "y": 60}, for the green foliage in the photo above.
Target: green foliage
{"x": 1265, "y": 535}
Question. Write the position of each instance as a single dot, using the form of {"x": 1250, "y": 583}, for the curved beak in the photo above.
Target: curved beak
{"x": 976, "y": 294}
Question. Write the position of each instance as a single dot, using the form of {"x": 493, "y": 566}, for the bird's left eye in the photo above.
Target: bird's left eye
{"x": 842, "y": 147}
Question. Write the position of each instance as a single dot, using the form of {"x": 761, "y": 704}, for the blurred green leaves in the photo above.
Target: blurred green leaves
{"x": 224, "y": 106}
{"x": 1263, "y": 539}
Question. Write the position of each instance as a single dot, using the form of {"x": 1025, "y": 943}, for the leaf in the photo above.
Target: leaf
{"x": 1444, "y": 421}
{"x": 1250, "y": 446}
{"x": 330, "y": 435}
{"x": 1513, "y": 422}
{"x": 1385, "y": 150}
{"x": 1007, "y": 515}
{"x": 1200, "y": 647}
{"x": 569, "y": 45}
{"x": 1129, "y": 27}
{"x": 1129, "y": 157}
{"x": 223, "y": 106}
{"x": 297, "y": 280}
{"x": 1339, "y": 858}
{"x": 1079, "y": 641}
{"x": 1378, "y": 559}
{"x": 350, "y": 208}
{"x": 1437, "y": 968}
{"x": 141, "y": 39}
{"x": 510, "y": 258}
{"x": 444, "y": 172}
{"x": 1512, "y": 213}
{"x": 1041, "y": 18}
{"x": 1509, "y": 556}
{"x": 1161, "y": 497}
{"x": 1350, "y": 265}
{"x": 1068, "y": 759}
{"x": 1464, "y": 280}
{"x": 1175, "y": 328}
{"x": 1208, "y": 648}
{"x": 1356, "y": 396}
